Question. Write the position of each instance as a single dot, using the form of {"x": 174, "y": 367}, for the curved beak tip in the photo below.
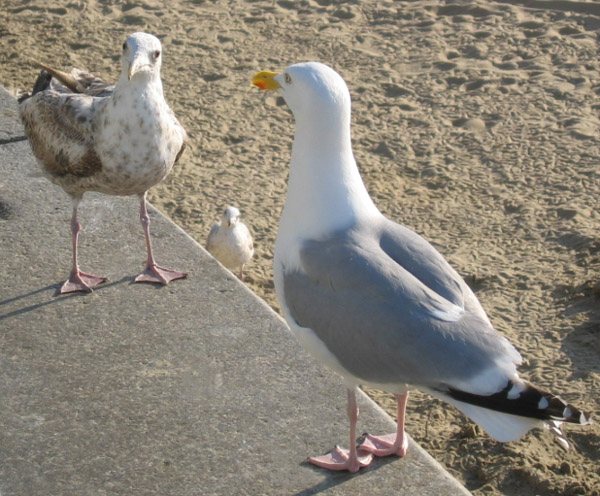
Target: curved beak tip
{"x": 138, "y": 64}
{"x": 265, "y": 80}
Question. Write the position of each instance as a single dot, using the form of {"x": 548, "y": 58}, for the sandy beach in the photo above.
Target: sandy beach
{"x": 476, "y": 124}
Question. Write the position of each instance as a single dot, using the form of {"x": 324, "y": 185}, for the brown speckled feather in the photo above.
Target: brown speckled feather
{"x": 90, "y": 84}
{"x": 59, "y": 127}
{"x": 78, "y": 81}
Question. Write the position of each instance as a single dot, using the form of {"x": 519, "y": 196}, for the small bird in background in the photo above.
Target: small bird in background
{"x": 373, "y": 300}
{"x": 230, "y": 241}
{"x": 117, "y": 139}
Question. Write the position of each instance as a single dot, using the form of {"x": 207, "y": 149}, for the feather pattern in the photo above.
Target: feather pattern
{"x": 349, "y": 290}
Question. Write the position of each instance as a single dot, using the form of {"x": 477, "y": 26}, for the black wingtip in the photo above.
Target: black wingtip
{"x": 584, "y": 419}
{"x": 41, "y": 83}
{"x": 23, "y": 97}
{"x": 525, "y": 400}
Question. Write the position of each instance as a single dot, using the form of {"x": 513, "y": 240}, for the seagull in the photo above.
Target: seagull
{"x": 117, "y": 139}
{"x": 230, "y": 241}
{"x": 373, "y": 300}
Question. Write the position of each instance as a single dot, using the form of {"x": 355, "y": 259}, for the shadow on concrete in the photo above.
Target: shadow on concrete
{"x": 333, "y": 479}
{"x": 52, "y": 297}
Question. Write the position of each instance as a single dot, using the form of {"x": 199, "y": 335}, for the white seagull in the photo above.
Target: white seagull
{"x": 116, "y": 139}
{"x": 375, "y": 301}
{"x": 230, "y": 241}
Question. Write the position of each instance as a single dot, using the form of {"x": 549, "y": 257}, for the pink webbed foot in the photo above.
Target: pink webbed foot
{"x": 81, "y": 281}
{"x": 341, "y": 459}
{"x": 385, "y": 445}
{"x": 159, "y": 275}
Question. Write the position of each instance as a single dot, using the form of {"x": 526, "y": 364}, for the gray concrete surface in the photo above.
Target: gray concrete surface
{"x": 192, "y": 389}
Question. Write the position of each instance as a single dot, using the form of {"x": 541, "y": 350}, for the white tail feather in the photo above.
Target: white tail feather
{"x": 502, "y": 427}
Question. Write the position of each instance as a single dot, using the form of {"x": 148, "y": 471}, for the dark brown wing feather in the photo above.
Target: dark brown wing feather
{"x": 59, "y": 128}
{"x": 78, "y": 81}
{"x": 91, "y": 85}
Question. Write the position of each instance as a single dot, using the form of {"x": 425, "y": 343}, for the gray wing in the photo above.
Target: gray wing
{"x": 183, "y": 133}
{"x": 59, "y": 126}
{"x": 422, "y": 260}
{"x": 250, "y": 242}
{"x": 381, "y": 320}
{"x": 210, "y": 240}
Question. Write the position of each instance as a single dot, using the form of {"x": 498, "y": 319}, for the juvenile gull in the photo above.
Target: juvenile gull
{"x": 115, "y": 139}
{"x": 230, "y": 241}
{"x": 376, "y": 302}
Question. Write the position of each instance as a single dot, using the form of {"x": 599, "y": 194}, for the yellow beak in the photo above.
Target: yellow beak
{"x": 265, "y": 80}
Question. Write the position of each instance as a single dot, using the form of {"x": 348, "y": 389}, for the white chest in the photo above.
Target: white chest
{"x": 137, "y": 140}
{"x": 232, "y": 247}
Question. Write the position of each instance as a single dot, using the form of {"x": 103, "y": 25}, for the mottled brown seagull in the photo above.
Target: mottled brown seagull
{"x": 117, "y": 139}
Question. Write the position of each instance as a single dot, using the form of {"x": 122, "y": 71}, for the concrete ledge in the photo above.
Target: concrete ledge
{"x": 196, "y": 388}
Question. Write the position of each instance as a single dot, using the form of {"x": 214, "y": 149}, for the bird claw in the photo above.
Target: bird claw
{"x": 159, "y": 275}
{"x": 81, "y": 282}
{"x": 340, "y": 459}
{"x": 384, "y": 445}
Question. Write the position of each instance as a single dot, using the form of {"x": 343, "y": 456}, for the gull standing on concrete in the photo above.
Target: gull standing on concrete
{"x": 376, "y": 302}
{"x": 115, "y": 139}
{"x": 230, "y": 241}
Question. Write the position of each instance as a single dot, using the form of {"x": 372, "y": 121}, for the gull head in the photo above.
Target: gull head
{"x": 310, "y": 89}
{"x": 231, "y": 215}
{"x": 142, "y": 55}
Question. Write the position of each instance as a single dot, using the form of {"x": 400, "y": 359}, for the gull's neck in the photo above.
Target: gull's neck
{"x": 325, "y": 190}
{"x": 142, "y": 86}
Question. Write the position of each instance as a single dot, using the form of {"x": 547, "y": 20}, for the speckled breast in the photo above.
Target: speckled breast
{"x": 137, "y": 150}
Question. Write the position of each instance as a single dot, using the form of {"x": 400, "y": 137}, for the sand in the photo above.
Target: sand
{"x": 475, "y": 123}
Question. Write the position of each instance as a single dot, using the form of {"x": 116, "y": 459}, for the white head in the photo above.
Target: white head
{"x": 142, "y": 55}
{"x": 312, "y": 90}
{"x": 325, "y": 190}
{"x": 231, "y": 215}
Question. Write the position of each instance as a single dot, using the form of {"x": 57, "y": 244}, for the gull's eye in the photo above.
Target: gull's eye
{"x": 287, "y": 78}
{"x": 156, "y": 54}
{"x": 124, "y": 45}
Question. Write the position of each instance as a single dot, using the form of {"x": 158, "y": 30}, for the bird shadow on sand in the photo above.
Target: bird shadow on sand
{"x": 333, "y": 479}
{"x": 586, "y": 442}
{"x": 582, "y": 344}
{"x": 49, "y": 295}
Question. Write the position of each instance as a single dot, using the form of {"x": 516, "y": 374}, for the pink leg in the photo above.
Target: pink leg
{"x": 391, "y": 444}
{"x": 78, "y": 280}
{"x": 152, "y": 272}
{"x": 342, "y": 459}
